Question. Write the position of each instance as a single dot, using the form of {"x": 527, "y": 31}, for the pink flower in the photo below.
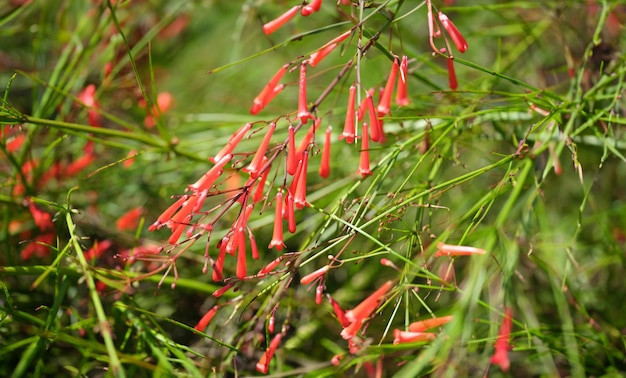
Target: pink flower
{"x": 457, "y": 38}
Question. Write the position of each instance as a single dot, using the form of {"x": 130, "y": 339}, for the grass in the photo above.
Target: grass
{"x": 523, "y": 161}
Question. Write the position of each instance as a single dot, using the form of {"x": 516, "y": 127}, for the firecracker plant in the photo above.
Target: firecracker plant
{"x": 373, "y": 188}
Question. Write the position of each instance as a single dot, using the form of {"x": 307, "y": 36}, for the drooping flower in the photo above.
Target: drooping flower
{"x": 375, "y": 130}
{"x": 263, "y": 366}
{"x": 277, "y": 237}
{"x": 457, "y": 250}
{"x": 290, "y": 212}
{"x": 501, "y": 354}
{"x": 457, "y": 38}
{"x": 241, "y": 270}
{"x": 402, "y": 97}
{"x": 349, "y": 126}
{"x": 452, "y": 82}
{"x": 88, "y": 97}
{"x": 303, "y": 109}
{"x": 364, "y": 165}
{"x": 292, "y": 160}
{"x": 385, "y": 99}
{"x": 271, "y": 26}
{"x": 299, "y": 198}
{"x": 325, "y": 164}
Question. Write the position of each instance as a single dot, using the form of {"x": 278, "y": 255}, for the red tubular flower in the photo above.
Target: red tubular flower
{"x": 277, "y": 238}
{"x": 88, "y": 97}
{"x": 411, "y": 337}
{"x": 299, "y": 198}
{"x": 376, "y": 132}
{"x": 312, "y": 7}
{"x": 457, "y": 250}
{"x": 325, "y": 164}
{"x": 303, "y": 110}
{"x": 206, "y": 319}
{"x": 349, "y": 128}
{"x": 43, "y": 220}
{"x": 257, "y": 162}
{"x": 130, "y": 220}
{"x": 260, "y": 186}
{"x": 452, "y": 74}
{"x": 97, "y": 249}
{"x": 341, "y": 315}
{"x": 385, "y": 100}
{"x": 232, "y": 142}
{"x": 167, "y": 214}
{"x": 402, "y": 97}
{"x": 269, "y": 91}
{"x": 319, "y": 291}
{"x": 369, "y": 304}
{"x": 219, "y": 292}
{"x": 423, "y": 325}
{"x": 304, "y": 144}
{"x": 209, "y": 178}
{"x": 241, "y": 255}
{"x": 219, "y": 263}
{"x": 271, "y": 266}
{"x": 501, "y": 355}
{"x": 290, "y": 212}
{"x": 323, "y": 51}
{"x": 292, "y": 160}
{"x": 314, "y": 275}
{"x": 364, "y": 165}
{"x": 254, "y": 249}
{"x": 457, "y": 38}
{"x": 357, "y": 315}
{"x": 281, "y": 20}
{"x": 79, "y": 164}
{"x": 263, "y": 366}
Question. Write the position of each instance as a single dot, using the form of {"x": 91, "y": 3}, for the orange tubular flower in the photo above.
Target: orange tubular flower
{"x": 206, "y": 319}
{"x": 376, "y": 132}
{"x": 130, "y": 220}
{"x": 325, "y": 165}
{"x": 277, "y": 238}
{"x": 341, "y": 315}
{"x": 260, "y": 186}
{"x": 281, "y": 20}
{"x": 385, "y": 100}
{"x": 209, "y": 178}
{"x": 269, "y": 91}
{"x": 457, "y": 250}
{"x": 304, "y": 144}
{"x": 314, "y": 275}
{"x": 411, "y": 337}
{"x": 501, "y": 355}
{"x": 241, "y": 255}
{"x": 349, "y": 128}
{"x": 290, "y": 213}
{"x": 402, "y": 97}
{"x": 423, "y": 325}
{"x": 457, "y": 38}
{"x": 263, "y": 366}
{"x": 257, "y": 162}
